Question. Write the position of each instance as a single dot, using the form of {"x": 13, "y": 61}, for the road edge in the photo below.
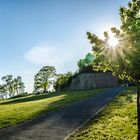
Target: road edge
{"x": 91, "y": 117}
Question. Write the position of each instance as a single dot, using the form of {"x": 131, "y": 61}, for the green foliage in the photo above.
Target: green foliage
{"x": 63, "y": 80}
{"x": 86, "y": 69}
{"x": 43, "y": 79}
{"x": 116, "y": 122}
{"x": 3, "y": 93}
{"x": 20, "y": 109}
{"x": 123, "y": 60}
{"x": 85, "y": 65}
{"x": 11, "y": 87}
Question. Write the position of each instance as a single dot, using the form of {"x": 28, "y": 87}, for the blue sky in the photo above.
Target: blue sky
{"x": 34, "y": 33}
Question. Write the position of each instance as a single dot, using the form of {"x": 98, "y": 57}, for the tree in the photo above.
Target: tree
{"x": 44, "y": 78}
{"x": 9, "y": 84}
{"x": 18, "y": 85}
{"x": 86, "y": 64}
{"x": 63, "y": 80}
{"x": 13, "y": 86}
{"x": 88, "y": 60}
{"x": 2, "y": 92}
{"x": 124, "y": 59}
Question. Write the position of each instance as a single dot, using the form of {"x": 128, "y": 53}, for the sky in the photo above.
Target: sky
{"x": 37, "y": 33}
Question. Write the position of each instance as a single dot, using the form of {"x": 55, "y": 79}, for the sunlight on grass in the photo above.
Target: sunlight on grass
{"x": 118, "y": 121}
{"x": 17, "y": 110}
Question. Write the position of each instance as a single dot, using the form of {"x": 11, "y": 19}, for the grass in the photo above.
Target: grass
{"x": 16, "y": 110}
{"x": 118, "y": 121}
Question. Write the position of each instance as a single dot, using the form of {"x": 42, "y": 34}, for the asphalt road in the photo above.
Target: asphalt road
{"x": 56, "y": 125}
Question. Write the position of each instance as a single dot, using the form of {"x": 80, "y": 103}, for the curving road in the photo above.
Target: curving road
{"x": 56, "y": 125}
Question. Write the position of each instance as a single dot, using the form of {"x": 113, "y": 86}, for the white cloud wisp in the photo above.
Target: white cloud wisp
{"x": 62, "y": 58}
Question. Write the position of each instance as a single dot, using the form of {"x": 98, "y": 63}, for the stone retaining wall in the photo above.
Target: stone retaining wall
{"x": 93, "y": 80}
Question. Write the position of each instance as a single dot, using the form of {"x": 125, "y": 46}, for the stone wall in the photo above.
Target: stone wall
{"x": 93, "y": 80}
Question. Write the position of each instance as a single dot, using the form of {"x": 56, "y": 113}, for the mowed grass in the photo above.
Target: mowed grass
{"x": 16, "y": 110}
{"x": 118, "y": 121}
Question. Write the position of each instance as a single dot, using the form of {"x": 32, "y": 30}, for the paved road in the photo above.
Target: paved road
{"x": 56, "y": 125}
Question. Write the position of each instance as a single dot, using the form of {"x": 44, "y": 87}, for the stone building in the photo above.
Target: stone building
{"x": 87, "y": 81}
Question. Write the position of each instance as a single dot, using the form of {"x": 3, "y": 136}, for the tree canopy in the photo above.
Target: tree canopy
{"x": 43, "y": 79}
{"x": 11, "y": 86}
{"x": 63, "y": 80}
{"x": 86, "y": 64}
{"x": 124, "y": 59}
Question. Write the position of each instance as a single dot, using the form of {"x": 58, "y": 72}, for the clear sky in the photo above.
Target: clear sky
{"x": 34, "y": 33}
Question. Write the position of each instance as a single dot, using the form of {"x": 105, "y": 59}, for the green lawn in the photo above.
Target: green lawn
{"x": 20, "y": 109}
{"x": 118, "y": 121}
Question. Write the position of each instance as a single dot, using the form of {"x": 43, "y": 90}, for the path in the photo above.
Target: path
{"x": 56, "y": 125}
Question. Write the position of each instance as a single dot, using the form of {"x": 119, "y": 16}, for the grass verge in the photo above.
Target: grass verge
{"x": 16, "y": 110}
{"x": 118, "y": 121}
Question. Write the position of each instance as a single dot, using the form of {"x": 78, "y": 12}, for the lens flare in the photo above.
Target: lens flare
{"x": 113, "y": 41}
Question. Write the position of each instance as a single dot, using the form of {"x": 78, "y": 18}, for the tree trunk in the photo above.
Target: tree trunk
{"x": 45, "y": 90}
{"x": 138, "y": 108}
{"x": 17, "y": 91}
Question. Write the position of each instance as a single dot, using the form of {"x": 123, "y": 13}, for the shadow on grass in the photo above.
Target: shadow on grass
{"x": 49, "y": 95}
{"x": 120, "y": 102}
{"x": 19, "y": 96}
{"x": 71, "y": 116}
{"x": 39, "y": 115}
{"x": 28, "y": 98}
{"x": 126, "y": 97}
{"x": 36, "y": 118}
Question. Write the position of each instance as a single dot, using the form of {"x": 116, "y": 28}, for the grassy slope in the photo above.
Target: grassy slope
{"x": 16, "y": 110}
{"x": 118, "y": 121}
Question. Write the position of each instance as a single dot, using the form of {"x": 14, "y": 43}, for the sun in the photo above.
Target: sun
{"x": 113, "y": 41}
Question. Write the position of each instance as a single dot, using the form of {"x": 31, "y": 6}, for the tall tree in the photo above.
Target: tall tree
{"x": 43, "y": 78}
{"x": 13, "y": 86}
{"x": 124, "y": 59}
{"x": 3, "y": 93}
{"x": 8, "y": 84}
{"x": 18, "y": 85}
